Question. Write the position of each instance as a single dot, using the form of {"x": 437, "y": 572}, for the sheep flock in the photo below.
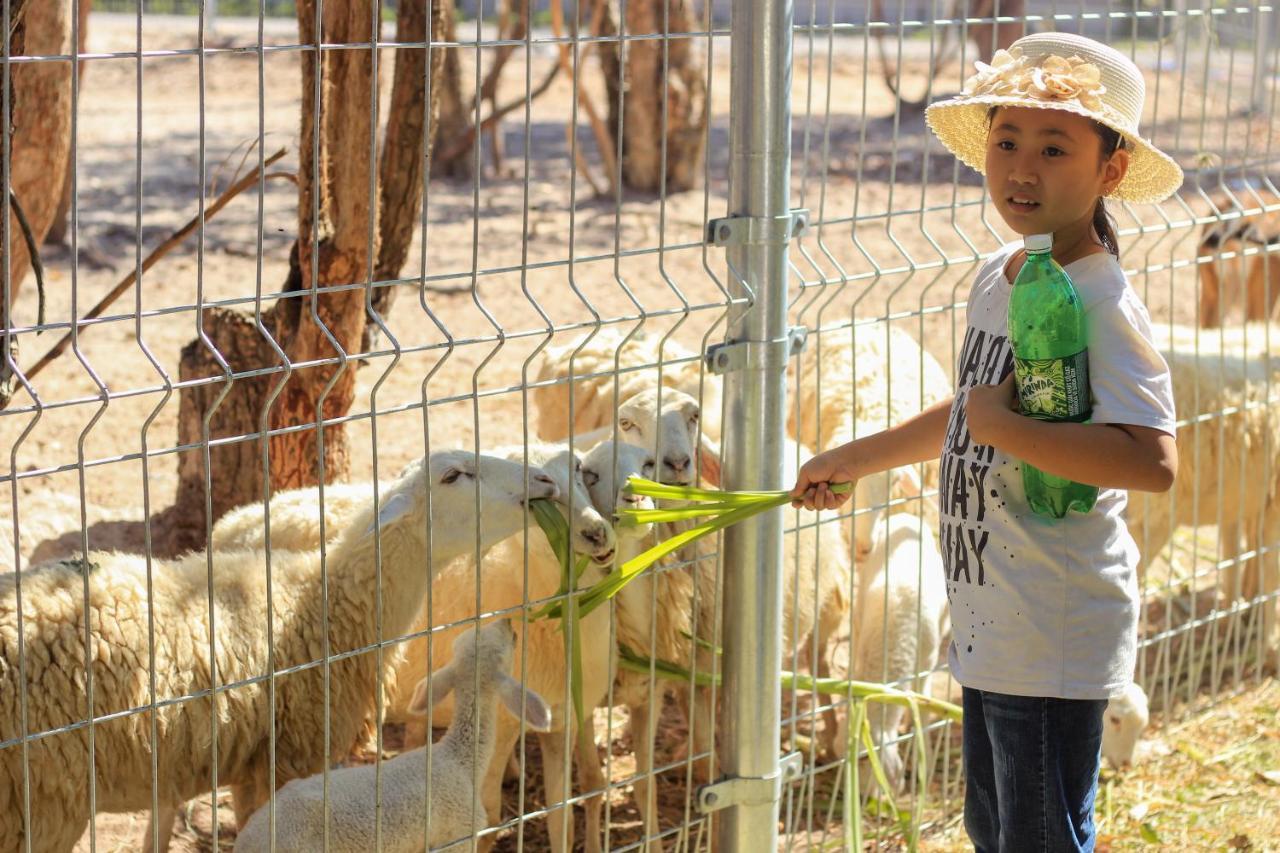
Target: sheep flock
{"x": 265, "y": 652}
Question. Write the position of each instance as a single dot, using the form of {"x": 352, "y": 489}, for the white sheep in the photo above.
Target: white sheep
{"x": 439, "y": 809}
{"x": 504, "y": 584}
{"x": 901, "y": 615}
{"x": 635, "y": 365}
{"x": 1228, "y": 465}
{"x": 46, "y": 689}
{"x": 857, "y": 381}
{"x": 295, "y": 518}
{"x": 1125, "y": 719}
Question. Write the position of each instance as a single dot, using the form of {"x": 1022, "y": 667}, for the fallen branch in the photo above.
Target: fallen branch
{"x": 160, "y": 251}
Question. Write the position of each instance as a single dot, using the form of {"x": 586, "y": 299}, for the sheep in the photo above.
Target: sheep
{"x": 1225, "y": 283}
{"x": 295, "y": 518}
{"x": 441, "y": 808}
{"x": 46, "y": 690}
{"x": 1227, "y": 465}
{"x": 901, "y": 614}
{"x": 847, "y": 387}
{"x": 295, "y": 524}
{"x": 1123, "y": 723}
{"x": 593, "y": 395}
{"x": 541, "y": 655}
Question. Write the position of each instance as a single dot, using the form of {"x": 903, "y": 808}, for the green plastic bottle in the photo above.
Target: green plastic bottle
{"x": 1051, "y": 366}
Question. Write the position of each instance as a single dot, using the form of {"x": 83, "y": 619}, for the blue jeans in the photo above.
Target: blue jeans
{"x": 1031, "y": 772}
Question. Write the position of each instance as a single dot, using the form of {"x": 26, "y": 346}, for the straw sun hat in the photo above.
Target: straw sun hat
{"x": 1059, "y": 71}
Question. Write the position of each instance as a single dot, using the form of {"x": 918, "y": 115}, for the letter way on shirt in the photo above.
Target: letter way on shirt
{"x": 963, "y": 490}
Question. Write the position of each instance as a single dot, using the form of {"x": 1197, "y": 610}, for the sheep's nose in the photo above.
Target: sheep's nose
{"x": 678, "y": 464}
{"x": 596, "y": 536}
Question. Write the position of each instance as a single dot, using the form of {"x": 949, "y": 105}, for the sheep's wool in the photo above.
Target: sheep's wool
{"x": 1042, "y": 607}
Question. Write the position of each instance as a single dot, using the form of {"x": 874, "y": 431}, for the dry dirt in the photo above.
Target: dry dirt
{"x": 893, "y": 243}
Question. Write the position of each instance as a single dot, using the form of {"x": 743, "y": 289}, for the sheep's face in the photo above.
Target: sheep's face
{"x": 592, "y": 535}
{"x": 461, "y": 490}
{"x": 672, "y": 435}
{"x": 1122, "y": 725}
{"x": 608, "y": 493}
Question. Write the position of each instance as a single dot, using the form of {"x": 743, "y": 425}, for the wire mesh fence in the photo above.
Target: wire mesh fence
{"x": 399, "y": 288}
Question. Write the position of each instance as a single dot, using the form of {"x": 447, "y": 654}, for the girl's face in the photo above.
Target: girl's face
{"x": 1045, "y": 172}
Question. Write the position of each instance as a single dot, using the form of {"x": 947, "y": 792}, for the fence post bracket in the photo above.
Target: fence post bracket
{"x": 745, "y": 355}
{"x": 750, "y": 790}
{"x": 749, "y": 230}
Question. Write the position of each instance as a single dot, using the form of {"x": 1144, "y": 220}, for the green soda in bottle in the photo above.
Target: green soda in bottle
{"x": 1051, "y": 366}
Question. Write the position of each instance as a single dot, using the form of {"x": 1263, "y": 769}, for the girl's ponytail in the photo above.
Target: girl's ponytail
{"x": 1106, "y": 228}
{"x": 1112, "y": 142}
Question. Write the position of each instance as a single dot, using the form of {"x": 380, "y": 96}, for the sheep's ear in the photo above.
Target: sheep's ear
{"x": 393, "y": 508}
{"x": 441, "y": 683}
{"x": 536, "y": 712}
{"x": 709, "y": 460}
{"x": 907, "y": 482}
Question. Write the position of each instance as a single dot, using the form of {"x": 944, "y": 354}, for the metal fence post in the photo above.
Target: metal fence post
{"x": 756, "y": 234}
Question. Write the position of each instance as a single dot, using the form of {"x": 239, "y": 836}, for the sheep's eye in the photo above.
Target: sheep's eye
{"x": 590, "y": 478}
{"x": 577, "y": 465}
{"x": 1115, "y": 721}
{"x": 647, "y": 469}
{"x": 626, "y": 424}
{"x": 451, "y": 476}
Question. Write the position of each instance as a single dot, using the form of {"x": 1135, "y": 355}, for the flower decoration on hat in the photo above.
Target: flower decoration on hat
{"x": 1055, "y": 78}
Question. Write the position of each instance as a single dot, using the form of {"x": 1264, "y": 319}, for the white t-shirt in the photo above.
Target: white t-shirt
{"x": 1043, "y": 607}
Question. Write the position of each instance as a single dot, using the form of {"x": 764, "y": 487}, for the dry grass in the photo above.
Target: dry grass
{"x": 1209, "y": 781}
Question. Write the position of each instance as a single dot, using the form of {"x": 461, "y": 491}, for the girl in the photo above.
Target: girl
{"x": 1044, "y": 612}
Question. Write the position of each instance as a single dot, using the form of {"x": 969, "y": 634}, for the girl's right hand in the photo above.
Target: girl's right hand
{"x": 813, "y": 484}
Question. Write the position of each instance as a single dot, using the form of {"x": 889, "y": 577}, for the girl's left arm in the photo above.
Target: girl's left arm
{"x": 1112, "y": 456}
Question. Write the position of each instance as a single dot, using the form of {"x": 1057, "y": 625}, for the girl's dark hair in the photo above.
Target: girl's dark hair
{"x": 1112, "y": 141}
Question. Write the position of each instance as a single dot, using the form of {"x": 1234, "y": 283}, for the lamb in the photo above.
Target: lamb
{"x": 635, "y": 365}
{"x": 1125, "y": 719}
{"x": 858, "y": 381}
{"x": 1227, "y": 465}
{"x": 1225, "y": 283}
{"x": 540, "y": 657}
{"x": 439, "y": 808}
{"x": 47, "y": 685}
{"x": 901, "y": 616}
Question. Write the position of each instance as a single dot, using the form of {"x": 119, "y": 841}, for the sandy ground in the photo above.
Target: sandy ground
{"x": 900, "y": 227}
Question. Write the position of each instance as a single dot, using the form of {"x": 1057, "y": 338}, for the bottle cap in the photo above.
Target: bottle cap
{"x": 1037, "y": 243}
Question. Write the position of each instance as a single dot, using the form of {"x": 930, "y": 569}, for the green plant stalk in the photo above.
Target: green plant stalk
{"x": 725, "y": 509}
{"x": 856, "y": 690}
{"x": 556, "y": 529}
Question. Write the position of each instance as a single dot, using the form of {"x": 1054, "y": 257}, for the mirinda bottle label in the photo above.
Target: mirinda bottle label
{"x": 1054, "y": 389}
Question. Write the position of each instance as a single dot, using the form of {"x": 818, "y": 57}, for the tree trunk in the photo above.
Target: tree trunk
{"x": 41, "y": 135}
{"x": 400, "y": 170}
{"x": 62, "y": 218}
{"x": 332, "y": 249}
{"x": 992, "y": 37}
{"x": 644, "y": 134}
{"x": 455, "y": 113}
